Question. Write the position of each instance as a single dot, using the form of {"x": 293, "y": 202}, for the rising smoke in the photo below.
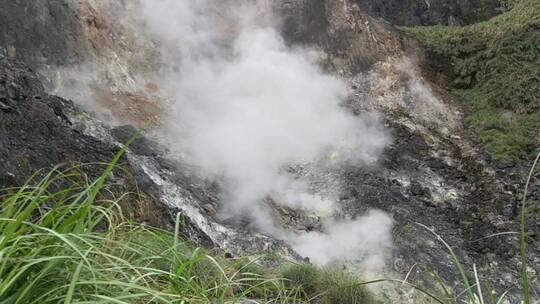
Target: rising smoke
{"x": 366, "y": 239}
{"x": 246, "y": 106}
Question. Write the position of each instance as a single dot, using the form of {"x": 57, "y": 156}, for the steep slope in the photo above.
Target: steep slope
{"x": 41, "y": 32}
{"x": 35, "y": 132}
{"x": 432, "y": 173}
{"x": 494, "y": 65}
{"x": 424, "y": 12}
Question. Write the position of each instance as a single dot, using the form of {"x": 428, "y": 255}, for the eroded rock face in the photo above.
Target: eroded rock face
{"x": 432, "y": 173}
{"x": 41, "y": 32}
{"x": 186, "y": 196}
{"x": 351, "y": 40}
{"x": 431, "y": 12}
{"x": 39, "y": 131}
{"x": 34, "y": 132}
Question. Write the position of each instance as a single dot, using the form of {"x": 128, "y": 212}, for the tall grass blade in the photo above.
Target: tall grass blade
{"x": 457, "y": 263}
{"x": 522, "y": 239}
{"x": 71, "y": 289}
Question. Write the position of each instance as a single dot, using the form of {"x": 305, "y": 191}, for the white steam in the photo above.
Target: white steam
{"x": 366, "y": 239}
{"x": 247, "y": 106}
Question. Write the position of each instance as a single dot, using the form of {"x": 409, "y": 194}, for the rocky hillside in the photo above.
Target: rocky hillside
{"x": 435, "y": 171}
{"x": 479, "y": 61}
{"x": 424, "y": 12}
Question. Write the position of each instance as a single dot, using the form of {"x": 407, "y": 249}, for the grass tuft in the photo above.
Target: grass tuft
{"x": 327, "y": 285}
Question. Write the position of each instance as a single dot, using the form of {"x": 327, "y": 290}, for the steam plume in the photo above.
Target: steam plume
{"x": 247, "y": 106}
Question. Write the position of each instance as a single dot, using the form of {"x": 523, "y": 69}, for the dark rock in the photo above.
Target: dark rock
{"x": 33, "y": 133}
{"x": 210, "y": 209}
{"x": 483, "y": 207}
{"x": 4, "y": 106}
{"x": 41, "y": 32}
{"x": 17, "y": 81}
{"x": 57, "y": 104}
{"x": 141, "y": 145}
{"x": 421, "y": 12}
{"x": 417, "y": 189}
{"x": 359, "y": 43}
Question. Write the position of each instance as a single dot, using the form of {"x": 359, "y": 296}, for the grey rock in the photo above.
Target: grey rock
{"x": 4, "y": 106}
{"x": 431, "y": 12}
{"x": 34, "y": 131}
{"x": 140, "y": 145}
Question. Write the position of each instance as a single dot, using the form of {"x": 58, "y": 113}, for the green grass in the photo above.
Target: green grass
{"x": 327, "y": 285}
{"x": 303, "y": 276}
{"x": 61, "y": 241}
{"x": 68, "y": 246}
{"x": 343, "y": 288}
{"x": 496, "y": 68}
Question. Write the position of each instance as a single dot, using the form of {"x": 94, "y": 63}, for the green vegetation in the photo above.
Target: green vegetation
{"x": 62, "y": 242}
{"x": 343, "y": 288}
{"x": 303, "y": 276}
{"x": 327, "y": 286}
{"x": 496, "y": 68}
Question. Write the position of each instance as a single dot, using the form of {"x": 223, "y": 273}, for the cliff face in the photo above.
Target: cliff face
{"x": 352, "y": 40}
{"x": 41, "y": 32}
{"x": 433, "y": 173}
{"x": 431, "y": 12}
{"x": 34, "y": 131}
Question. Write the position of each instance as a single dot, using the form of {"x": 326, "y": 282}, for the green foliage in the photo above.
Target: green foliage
{"x": 60, "y": 244}
{"x": 303, "y": 276}
{"x": 344, "y": 288}
{"x": 326, "y": 285}
{"x": 496, "y": 68}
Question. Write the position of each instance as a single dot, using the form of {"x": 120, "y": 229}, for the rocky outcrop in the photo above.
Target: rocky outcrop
{"x": 41, "y": 32}
{"x": 39, "y": 131}
{"x": 431, "y": 12}
{"x": 34, "y": 131}
{"x": 351, "y": 40}
{"x": 433, "y": 174}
